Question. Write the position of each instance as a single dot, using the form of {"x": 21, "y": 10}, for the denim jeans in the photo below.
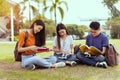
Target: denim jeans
{"x": 89, "y": 60}
{"x": 71, "y": 58}
{"x": 34, "y": 59}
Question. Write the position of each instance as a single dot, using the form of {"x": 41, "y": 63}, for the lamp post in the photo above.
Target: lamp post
{"x": 12, "y": 4}
{"x": 12, "y": 26}
{"x": 29, "y": 13}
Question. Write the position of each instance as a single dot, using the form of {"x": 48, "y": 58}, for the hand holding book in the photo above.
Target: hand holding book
{"x": 42, "y": 49}
{"x": 91, "y": 50}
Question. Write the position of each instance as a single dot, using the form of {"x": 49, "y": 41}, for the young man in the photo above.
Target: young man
{"x": 98, "y": 40}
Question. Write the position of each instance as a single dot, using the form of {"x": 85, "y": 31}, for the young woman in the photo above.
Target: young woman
{"x": 35, "y": 40}
{"x": 63, "y": 46}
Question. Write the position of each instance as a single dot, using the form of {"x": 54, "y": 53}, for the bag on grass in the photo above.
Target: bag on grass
{"x": 111, "y": 55}
{"x": 17, "y": 55}
{"x": 76, "y": 48}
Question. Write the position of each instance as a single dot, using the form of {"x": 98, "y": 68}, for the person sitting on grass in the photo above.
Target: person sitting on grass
{"x": 63, "y": 46}
{"x": 97, "y": 39}
{"x": 35, "y": 40}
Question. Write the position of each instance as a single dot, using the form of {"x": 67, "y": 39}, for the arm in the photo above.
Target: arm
{"x": 71, "y": 49}
{"x": 23, "y": 49}
{"x": 103, "y": 50}
{"x": 55, "y": 49}
{"x": 105, "y": 44}
{"x": 22, "y": 43}
{"x": 71, "y": 45}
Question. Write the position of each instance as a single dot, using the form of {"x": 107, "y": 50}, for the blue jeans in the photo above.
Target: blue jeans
{"x": 34, "y": 59}
{"x": 71, "y": 58}
{"x": 89, "y": 60}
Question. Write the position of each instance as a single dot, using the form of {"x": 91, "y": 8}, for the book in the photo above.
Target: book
{"x": 42, "y": 49}
{"x": 93, "y": 50}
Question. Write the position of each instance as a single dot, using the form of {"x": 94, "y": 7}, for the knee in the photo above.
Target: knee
{"x": 100, "y": 58}
{"x": 54, "y": 59}
{"x": 78, "y": 54}
{"x": 23, "y": 64}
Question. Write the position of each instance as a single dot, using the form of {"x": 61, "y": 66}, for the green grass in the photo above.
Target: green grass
{"x": 79, "y": 72}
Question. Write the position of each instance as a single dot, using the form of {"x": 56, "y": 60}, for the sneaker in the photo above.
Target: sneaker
{"x": 73, "y": 63}
{"x": 30, "y": 67}
{"x": 60, "y": 64}
{"x": 102, "y": 64}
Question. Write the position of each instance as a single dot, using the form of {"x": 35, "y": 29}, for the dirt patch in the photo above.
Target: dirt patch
{"x": 11, "y": 66}
{"x": 17, "y": 65}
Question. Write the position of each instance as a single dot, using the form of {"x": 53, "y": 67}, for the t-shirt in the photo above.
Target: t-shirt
{"x": 100, "y": 41}
{"x": 29, "y": 42}
{"x": 65, "y": 44}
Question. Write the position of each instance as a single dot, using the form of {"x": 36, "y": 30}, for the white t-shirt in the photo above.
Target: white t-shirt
{"x": 65, "y": 44}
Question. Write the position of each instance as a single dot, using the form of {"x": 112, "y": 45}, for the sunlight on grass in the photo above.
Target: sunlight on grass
{"x": 79, "y": 72}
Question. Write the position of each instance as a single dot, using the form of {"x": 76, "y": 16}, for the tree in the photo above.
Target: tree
{"x": 18, "y": 18}
{"x": 111, "y": 6}
{"x": 77, "y": 30}
{"x": 115, "y": 27}
{"x": 49, "y": 25}
{"x": 56, "y": 5}
{"x": 50, "y": 29}
{"x": 4, "y": 8}
{"x": 30, "y": 6}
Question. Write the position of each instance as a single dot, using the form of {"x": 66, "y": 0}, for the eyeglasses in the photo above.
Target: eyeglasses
{"x": 93, "y": 32}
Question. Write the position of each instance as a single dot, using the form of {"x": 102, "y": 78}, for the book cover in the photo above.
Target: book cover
{"x": 42, "y": 49}
{"x": 92, "y": 49}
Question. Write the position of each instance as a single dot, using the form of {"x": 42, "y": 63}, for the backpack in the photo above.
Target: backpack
{"x": 17, "y": 55}
{"x": 111, "y": 55}
{"x": 76, "y": 48}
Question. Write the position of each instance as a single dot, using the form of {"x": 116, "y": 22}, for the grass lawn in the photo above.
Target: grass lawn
{"x": 11, "y": 70}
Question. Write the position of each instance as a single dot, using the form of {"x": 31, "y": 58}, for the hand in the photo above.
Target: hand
{"x": 63, "y": 51}
{"x": 51, "y": 49}
{"x": 72, "y": 53}
{"x": 43, "y": 49}
{"x": 33, "y": 48}
{"x": 91, "y": 53}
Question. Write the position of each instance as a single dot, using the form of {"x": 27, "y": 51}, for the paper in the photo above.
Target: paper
{"x": 92, "y": 49}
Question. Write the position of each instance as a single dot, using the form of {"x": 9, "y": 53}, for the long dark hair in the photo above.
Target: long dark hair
{"x": 40, "y": 36}
{"x": 59, "y": 27}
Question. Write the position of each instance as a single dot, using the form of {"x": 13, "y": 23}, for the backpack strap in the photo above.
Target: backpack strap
{"x": 114, "y": 48}
{"x": 26, "y": 36}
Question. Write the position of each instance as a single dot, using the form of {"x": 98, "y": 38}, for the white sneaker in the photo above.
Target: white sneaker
{"x": 102, "y": 64}
{"x": 73, "y": 63}
{"x": 30, "y": 67}
{"x": 60, "y": 64}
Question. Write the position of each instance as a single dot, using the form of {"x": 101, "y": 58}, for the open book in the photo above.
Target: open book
{"x": 92, "y": 49}
{"x": 42, "y": 49}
